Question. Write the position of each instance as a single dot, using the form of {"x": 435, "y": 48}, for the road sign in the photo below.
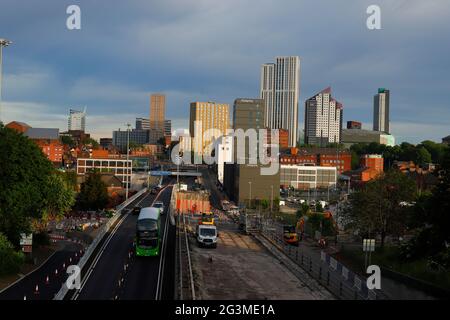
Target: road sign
{"x": 27, "y": 248}
{"x": 26, "y": 239}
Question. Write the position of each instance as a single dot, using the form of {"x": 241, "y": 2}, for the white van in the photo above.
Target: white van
{"x": 206, "y": 235}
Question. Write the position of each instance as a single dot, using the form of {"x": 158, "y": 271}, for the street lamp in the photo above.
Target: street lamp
{"x": 250, "y": 198}
{"x": 3, "y": 43}
{"x": 128, "y": 158}
{"x": 271, "y": 199}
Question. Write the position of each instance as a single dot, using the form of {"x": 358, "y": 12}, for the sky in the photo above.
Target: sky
{"x": 208, "y": 50}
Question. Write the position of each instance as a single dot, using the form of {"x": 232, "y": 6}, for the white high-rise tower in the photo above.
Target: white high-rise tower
{"x": 381, "y": 110}
{"x": 323, "y": 119}
{"x": 77, "y": 120}
{"x": 280, "y": 91}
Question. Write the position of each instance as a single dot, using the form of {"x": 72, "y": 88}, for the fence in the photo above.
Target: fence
{"x": 90, "y": 250}
{"x": 330, "y": 273}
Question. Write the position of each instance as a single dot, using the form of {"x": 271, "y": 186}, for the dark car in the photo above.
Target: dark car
{"x": 153, "y": 191}
{"x": 136, "y": 210}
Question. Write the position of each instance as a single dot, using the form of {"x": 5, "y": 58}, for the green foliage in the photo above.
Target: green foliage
{"x": 425, "y": 152}
{"x": 432, "y": 218}
{"x": 10, "y": 260}
{"x": 24, "y": 172}
{"x": 70, "y": 179}
{"x": 376, "y": 208}
{"x": 92, "y": 142}
{"x": 93, "y": 194}
{"x": 67, "y": 140}
{"x": 264, "y": 203}
{"x": 60, "y": 197}
{"x": 422, "y": 156}
{"x": 134, "y": 145}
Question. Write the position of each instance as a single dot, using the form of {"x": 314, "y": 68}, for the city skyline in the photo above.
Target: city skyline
{"x": 114, "y": 84}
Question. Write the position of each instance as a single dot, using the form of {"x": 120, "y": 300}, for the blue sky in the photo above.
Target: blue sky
{"x": 195, "y": 50}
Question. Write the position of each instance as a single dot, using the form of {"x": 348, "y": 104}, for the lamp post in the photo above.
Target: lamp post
{"x": 3, "y": 43}
{"x": 271, "y": 200}
{"x": 128, "y": 158}
{"x": 250, "y": 197}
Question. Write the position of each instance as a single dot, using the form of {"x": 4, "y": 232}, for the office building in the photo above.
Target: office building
{"x": 142, "y": 124}
{"x": 121, "y": 168}
{"x": 106, "y": 143}
{"x": 306, "y": 177}
{"x": 323, "y": 119}
{"x": 354, "y": 125}
{"x": 157, "y": 111}
{"x": 137, "y": 137}
{"x": 77, "y": 120}
{"x": 203, "y": 117}
{"x": 244, "y": 182}
{"x": 352, "y": 136}
{"x": 324, "y": 157}
{"x": 279, "y": 88}
{"x": 249, "y": 114}
{"x": 381, "y": 111}
{"x": 168, "y": 127}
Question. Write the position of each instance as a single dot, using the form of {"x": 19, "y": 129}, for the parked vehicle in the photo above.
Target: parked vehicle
{"x": 206, "y": 235}
{"x": 159, "y": 205}
{"x": 207, "y": 218}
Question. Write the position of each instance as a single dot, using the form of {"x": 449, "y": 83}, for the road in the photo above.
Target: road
{"x": 25, "y": 288}
{"x": 116, "y": 274}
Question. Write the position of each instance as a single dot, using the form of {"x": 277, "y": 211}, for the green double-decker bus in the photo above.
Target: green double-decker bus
{"x": 148, "y": 233}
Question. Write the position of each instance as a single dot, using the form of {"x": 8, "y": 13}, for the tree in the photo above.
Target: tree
{"x": 59, "y": 199}
{"x": 422, "y": 156}
{"x": 24, "y": 172}
{"x": 377, "y": 209}
{"x": 93, "y": 193}
{"x": 10, "y": 260}
{"x": 432, "y": 218}
{"x": 92, "y": 142}
{"x": 67, "y": 140}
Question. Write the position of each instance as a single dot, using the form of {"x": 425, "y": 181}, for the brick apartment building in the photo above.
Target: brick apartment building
{"x": 46, "y": 138}
{"x": 323, "y": 157}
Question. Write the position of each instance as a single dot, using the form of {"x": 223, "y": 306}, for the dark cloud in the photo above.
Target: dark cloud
{"x": 212, "y": 50}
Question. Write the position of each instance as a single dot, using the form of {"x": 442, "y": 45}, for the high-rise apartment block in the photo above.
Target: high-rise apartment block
{"x": 280, "y": 90}
{"x": 205, "y": 116}
{"x": 77, "y": 120}
{"x": 323, "y": 119}
{"x": 381, "y": 110}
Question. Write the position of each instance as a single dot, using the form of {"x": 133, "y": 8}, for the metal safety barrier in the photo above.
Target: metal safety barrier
{"x": 90, "y": 250}
{"x": 331, "y": 274}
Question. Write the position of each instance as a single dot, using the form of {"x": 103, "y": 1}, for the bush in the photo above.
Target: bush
{"x": 10, "y": 260}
